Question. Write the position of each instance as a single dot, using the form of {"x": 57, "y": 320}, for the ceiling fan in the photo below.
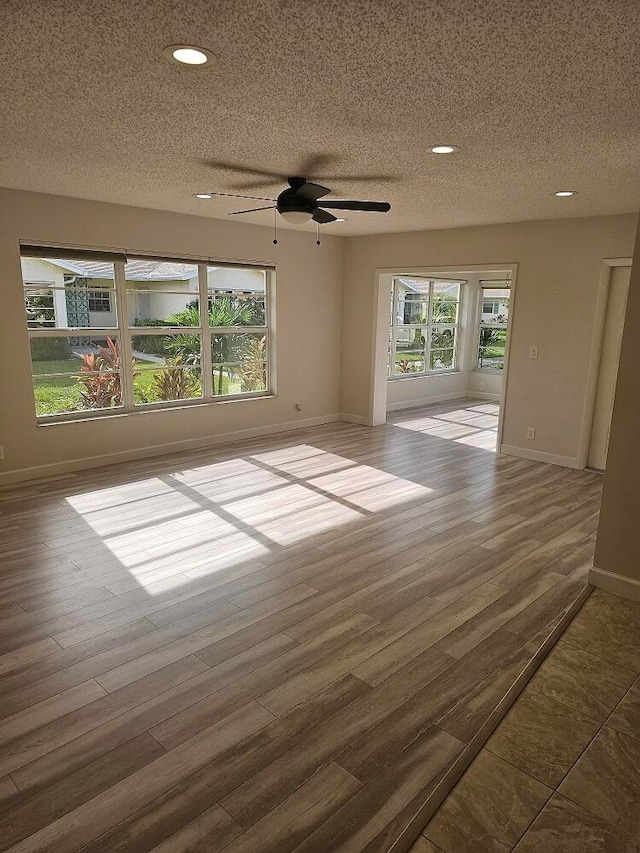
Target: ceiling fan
{"x": 301, "y": 202}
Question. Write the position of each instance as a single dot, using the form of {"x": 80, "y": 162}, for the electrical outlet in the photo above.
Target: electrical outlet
{"x": 297, "y": 407}
{"x": 1, "y": 452}
{"x": 531, "y": 433}
{"x": 482, "y": 386}
{"x": 533, "y": 352}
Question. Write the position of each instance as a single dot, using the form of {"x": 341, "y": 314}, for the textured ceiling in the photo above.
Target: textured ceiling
{"x": 539, "y": 95}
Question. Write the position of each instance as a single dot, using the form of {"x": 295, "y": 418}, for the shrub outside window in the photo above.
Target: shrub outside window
{"x": 424, "y": 328}
{"x": 119, "y": 336}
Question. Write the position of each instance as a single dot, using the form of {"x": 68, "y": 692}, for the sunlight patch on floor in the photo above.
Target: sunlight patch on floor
{"x": 170, "y": 529}
{"x": 476, "y": 426}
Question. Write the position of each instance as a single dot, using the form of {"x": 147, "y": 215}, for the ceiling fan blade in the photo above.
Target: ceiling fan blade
{"x": 369, "y": 179}
{"x": 323, "y": 216}
{"x": 371, "y": 206}
{"x": 315, "y": 163}
{"x": 250, "y": 185}
{"x": 235, "y": 195}
{"x": 253, "y": 210}
{"x": 243, "y": 170}
{"x": 308, "y": 191}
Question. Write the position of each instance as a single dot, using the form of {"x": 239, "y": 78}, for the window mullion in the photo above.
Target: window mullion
{"x": 205, "y": 337}
{"x": 126, "y": 356}
{"x": 394, "y": 328}
{"x": 427, "y": 346}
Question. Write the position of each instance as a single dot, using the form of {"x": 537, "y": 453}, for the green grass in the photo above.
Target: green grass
{"x": 58, "y": 394}
{"x": 409, "y": 356}
{"x": 68, "y": 365}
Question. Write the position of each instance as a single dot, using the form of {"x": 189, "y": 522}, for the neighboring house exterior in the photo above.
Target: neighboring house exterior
{"x": 495, "y": 307}
{"x": 62, "y": 293}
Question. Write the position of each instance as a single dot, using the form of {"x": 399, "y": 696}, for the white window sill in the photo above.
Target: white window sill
{"x": 433, "y": 375}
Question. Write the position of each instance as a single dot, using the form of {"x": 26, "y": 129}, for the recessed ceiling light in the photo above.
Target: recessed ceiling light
{"x": 444, "y": 149}
{"x": 565, "y": 193}
{"x": 203, "y": 195}
{"x": 187, "y": 54}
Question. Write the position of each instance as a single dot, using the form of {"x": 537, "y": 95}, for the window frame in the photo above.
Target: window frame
{"x": 427, "y": 328}
{"x": 482, "y": 324}
{"x": 124, "y": 332}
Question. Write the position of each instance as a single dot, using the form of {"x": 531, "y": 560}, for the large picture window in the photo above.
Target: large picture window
{"x": 494, "y": 323}
{"x": 125, "y": 335}
{"x": 424, "y": 329}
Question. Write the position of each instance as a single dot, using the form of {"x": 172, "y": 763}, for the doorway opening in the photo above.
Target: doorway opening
{"x": 441, "y": 334}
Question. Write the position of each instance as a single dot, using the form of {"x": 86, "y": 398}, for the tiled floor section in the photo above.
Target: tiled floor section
{"x": 277, "y": 645}
{"x": 561, "y": 774}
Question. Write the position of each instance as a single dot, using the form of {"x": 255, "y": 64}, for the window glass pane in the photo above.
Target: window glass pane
{"x": 239, "y": 362}
{"x": 74, "y": 374}
{"x": 157, "y": 347}
{"x": 40, "y": 306}
{"x": 409, "y": 363}
{"x": 495, "y": 305}
{"x": 169, "y": 308}
{"x": 412, "y": 312}
{"x": 166, "y": 367}
{"x": 442, "y": 359}
{"x": 443, "y": 348}
{"x": 410, "y": 346}
{"x": 63, "y": 294}
{"x": 408, "y": 284}
{"x": 491, "y": 348}
{"x": 153, "y": 383}
{"x": 446, "y": 296}
{"x": 237, "y": 297}
{"x": 162, "y": 293}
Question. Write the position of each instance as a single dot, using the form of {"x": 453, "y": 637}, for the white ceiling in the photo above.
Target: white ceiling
{"x": 540, "y": 95}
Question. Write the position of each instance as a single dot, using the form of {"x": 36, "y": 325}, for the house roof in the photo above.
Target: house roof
{"x": 153, "y": 271}
{"x": 136, "y": 270}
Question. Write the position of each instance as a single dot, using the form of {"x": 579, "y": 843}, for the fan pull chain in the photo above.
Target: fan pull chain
{"x": 275, "y": 226}
{"x": 317, "y": 233}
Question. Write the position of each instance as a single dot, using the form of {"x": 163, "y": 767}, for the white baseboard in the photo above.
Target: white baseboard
{"x": 424, "y": 401}
{"x": 540, "y": 456}
{"x": 484, "y": 395}
{"x": 617, "y": 584}
{"x": 71, "y": 465}
{"x": 354, "y": 419}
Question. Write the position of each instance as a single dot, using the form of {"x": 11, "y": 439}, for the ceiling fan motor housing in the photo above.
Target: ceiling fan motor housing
{"x": 288, "y": 201}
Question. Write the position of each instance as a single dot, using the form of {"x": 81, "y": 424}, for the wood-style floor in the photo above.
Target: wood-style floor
{"x": 277, "y": 645}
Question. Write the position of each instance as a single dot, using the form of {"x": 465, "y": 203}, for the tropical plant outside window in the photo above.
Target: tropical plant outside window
{"x": 123, "y": 336}
{"x": 424, "y": 329}
{"x": 494, "y": 321}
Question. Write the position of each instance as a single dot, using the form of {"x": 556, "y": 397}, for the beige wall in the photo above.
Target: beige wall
{"x": 308, "y": 326}
{"x": 618, "y": 546}
{"x": 558, "y": 265}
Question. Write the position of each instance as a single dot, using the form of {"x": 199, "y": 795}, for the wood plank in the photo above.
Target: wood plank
{"x": 87, "y": 822}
